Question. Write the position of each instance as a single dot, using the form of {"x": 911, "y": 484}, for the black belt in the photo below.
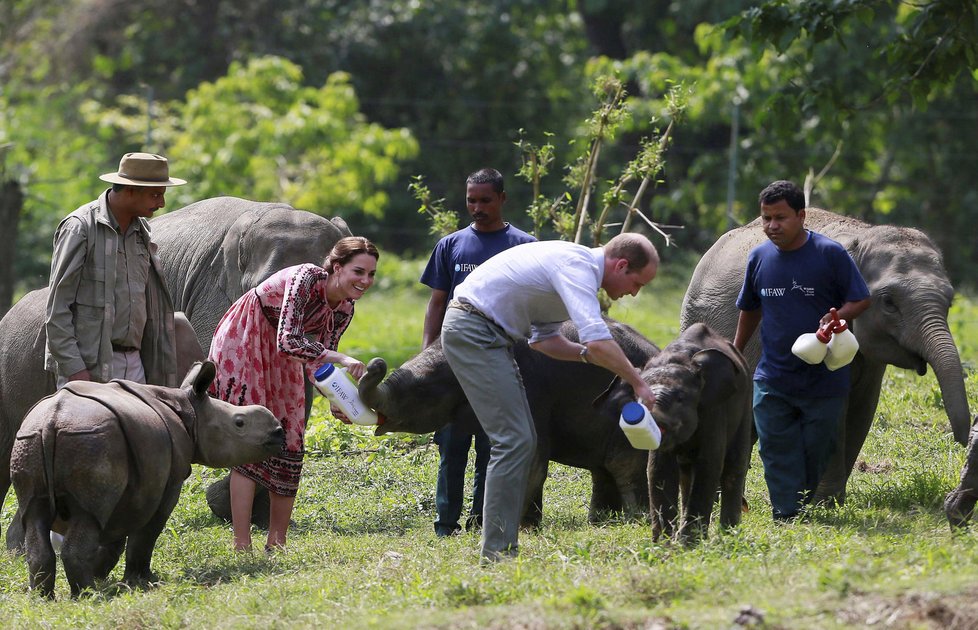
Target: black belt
{"x": 119, "y": 348}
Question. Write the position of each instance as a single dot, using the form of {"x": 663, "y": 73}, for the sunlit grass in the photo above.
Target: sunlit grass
{"x": 363, "y": 553}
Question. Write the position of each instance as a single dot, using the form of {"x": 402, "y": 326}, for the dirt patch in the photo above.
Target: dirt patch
{"x": 914, "y": 610}
{"x": 877, "y": 468}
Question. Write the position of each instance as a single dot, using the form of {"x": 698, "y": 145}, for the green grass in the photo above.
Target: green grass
{"x": 363, "y": 553}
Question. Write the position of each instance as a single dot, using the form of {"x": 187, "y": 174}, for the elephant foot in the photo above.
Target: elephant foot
{"x": 959, "y": 505}
{"x": 829, "y": 500}
{"x": 141, "y": 580}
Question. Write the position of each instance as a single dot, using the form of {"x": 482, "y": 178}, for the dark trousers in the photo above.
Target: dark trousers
{"x": 453, "y": 447}
{"x": 797, "y": 437}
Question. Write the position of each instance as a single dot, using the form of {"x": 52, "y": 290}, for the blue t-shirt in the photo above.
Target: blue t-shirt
{"x": 794, "y": 290}
{"x": 456, "y": 255}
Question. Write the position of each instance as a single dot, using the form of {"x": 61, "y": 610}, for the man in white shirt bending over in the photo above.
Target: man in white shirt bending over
{"x": 526, "y": 292}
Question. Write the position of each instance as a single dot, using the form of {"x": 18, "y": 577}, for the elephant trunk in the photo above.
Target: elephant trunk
{"x": 371, "y": 392}
{"x": 941, "y": 353}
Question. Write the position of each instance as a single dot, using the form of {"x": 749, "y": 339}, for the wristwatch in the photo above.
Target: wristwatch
{"x": 583, "y": 354}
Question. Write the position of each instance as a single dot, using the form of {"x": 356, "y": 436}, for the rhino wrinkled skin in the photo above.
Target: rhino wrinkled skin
{"x": 103, "y": 464}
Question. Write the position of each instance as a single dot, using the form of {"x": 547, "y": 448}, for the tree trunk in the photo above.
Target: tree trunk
{"x": 603, "y": 30}
{"x": 11, "y": 205}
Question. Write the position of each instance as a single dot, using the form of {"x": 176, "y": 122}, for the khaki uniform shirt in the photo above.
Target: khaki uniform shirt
{"x": 90, "y": 286}
{"x": 131, "y": 273}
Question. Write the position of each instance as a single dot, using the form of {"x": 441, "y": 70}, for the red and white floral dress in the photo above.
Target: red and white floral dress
{"x": 263, "y": 355}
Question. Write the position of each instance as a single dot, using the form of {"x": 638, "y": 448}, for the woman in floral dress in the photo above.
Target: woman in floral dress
{"x": 264, "y": 348}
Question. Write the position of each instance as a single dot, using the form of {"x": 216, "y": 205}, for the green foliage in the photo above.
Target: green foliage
{"x": 537, "y": 160}
{"x": 443, "y": 222}
{"x": 919, "y": 46}
{"x": 260, "y": 133}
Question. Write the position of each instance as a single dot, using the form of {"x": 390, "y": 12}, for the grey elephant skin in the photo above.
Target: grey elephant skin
{"x": 24, "y": 381}
{"x": 103, "y": 464}
{"x": 215, "y": 250}
{"x": 423, "y": 395}
{"x": 906, "y": 325}
{"x": 703, "y": 407}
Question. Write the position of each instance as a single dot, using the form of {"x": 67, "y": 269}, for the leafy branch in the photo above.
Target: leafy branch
{"x": 443, "y": 222}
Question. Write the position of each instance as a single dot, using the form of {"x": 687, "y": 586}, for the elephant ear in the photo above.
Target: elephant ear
{"x": 720, "y": 372}
{"x": 615, "y": 394}
{"x": 230, "y": 267}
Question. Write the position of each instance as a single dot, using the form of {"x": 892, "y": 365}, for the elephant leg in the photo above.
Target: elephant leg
{"x": 79, "y": 550}
{"x": 41, "y": 559}
{"x": 699, "y": 498}
{"x": 959, "y": 504}
{"x": 630, "y": 472}
{"x": 605, "y": 497}
{"x": 853, "y": 429}
{"x": 733, "y": 479}
{"x": 663, "y": 475}
{"x": 533, "y": 503}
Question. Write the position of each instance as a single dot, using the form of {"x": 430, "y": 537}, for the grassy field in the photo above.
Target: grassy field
{"x": 363, "y": 552}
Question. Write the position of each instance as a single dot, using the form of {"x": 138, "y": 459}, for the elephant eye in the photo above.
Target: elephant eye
{"x": 238, "y": 421}
{"x": 888, "y": 303}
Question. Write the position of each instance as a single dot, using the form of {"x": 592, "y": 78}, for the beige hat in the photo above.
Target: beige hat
{"x": 143, "y": 169}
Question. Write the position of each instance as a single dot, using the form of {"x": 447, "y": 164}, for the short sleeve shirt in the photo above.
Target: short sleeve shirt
{"x": 794, "y": 290}
{"x": 458, "y": 254}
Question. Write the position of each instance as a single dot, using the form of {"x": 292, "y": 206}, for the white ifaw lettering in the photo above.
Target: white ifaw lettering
{"x": 773, "y": 292}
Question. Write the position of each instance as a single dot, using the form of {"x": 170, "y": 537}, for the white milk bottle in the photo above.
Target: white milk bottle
{"x": 812, "y": 347}
{"x": 640, "y": 427}
{"x": 336, "y": 385}
{"x": 843, "y": 346}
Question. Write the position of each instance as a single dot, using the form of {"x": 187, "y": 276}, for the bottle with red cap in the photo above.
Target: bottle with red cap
{"x": 843, "y": 346}
{"x": 812, "y": 347}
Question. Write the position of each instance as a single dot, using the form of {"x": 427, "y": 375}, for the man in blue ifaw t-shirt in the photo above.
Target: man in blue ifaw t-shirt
{"x": 453, "y": 258}
{"x": 794, "y": 280}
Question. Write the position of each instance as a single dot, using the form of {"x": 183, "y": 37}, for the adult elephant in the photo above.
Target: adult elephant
{"x": 24, "y": 381}
{"x": 906, "y": 326}
{"x": 215, "y": 250}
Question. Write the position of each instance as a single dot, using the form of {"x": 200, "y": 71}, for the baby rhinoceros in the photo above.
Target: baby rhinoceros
{"x": 103, "y": 463}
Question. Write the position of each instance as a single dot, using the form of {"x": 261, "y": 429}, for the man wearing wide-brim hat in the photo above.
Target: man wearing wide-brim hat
{"x": 109, "y": 314}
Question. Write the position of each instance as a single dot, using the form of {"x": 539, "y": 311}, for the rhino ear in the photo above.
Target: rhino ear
{"x": 200, "y": 377}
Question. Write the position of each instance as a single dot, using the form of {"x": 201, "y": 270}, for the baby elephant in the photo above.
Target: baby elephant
{"x": 103, "y": 463}
{"x": 703, "y": 399}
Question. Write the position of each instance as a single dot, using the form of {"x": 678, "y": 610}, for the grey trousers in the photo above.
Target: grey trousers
{"x": 481, "y": 356}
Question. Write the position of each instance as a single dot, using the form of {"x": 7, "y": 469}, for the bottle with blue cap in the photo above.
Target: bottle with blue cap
{"x": 640, "y": 427}
{"x": 334, "y": 383}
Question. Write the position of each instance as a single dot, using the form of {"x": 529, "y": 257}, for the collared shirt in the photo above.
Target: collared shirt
{"x": 132, "y": 272}
{"x": 531, "y": 289}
